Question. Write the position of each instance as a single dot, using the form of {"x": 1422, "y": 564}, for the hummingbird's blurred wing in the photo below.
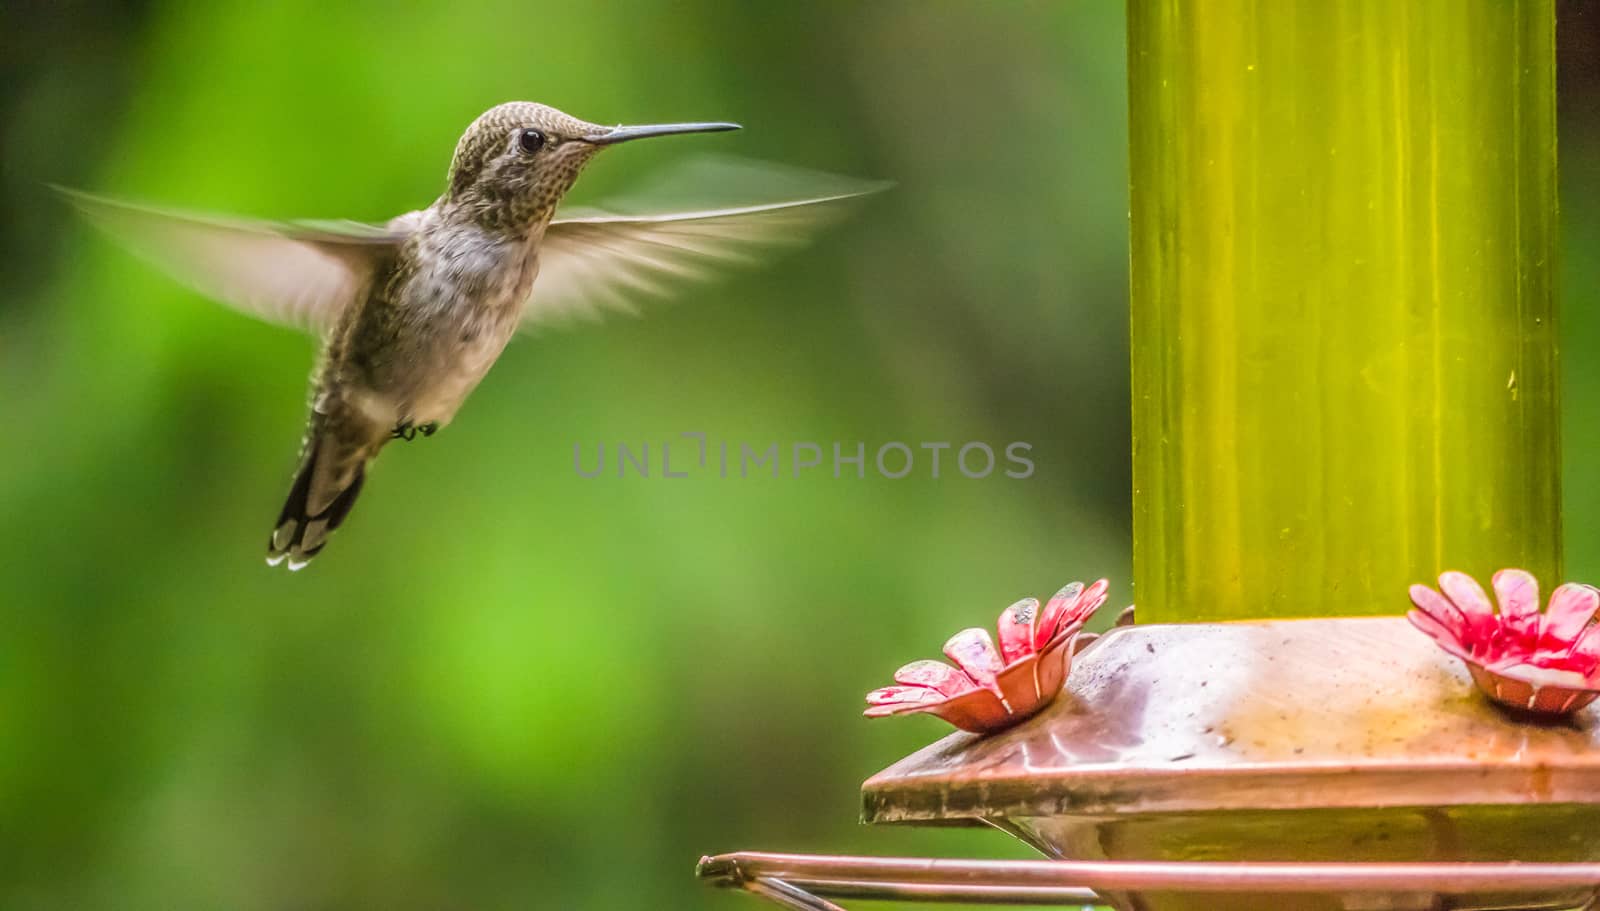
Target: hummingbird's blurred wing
{"x": 596, "y": 261}
{"x": 298, "y": 274}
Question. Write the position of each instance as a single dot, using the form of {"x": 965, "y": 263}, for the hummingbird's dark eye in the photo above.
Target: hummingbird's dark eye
{"x": 531, "y": 141}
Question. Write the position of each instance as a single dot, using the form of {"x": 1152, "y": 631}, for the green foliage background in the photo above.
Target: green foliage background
{"x": 505, "y": 686}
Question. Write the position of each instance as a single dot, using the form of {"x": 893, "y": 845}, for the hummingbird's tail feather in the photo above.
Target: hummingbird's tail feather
{"x": 324, "y": 489}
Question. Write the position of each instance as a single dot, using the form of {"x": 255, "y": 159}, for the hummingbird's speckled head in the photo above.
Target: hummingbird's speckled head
{"x": 516, "y": 161}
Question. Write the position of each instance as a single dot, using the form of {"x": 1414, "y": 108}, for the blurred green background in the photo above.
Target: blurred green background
{"x": 506, "y": 686}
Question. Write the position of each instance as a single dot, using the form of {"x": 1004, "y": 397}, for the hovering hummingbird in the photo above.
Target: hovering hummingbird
{"x": 413, "y": 313}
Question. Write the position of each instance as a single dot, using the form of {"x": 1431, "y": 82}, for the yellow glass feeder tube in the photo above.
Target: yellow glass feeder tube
{"x": 1343, "y": 225}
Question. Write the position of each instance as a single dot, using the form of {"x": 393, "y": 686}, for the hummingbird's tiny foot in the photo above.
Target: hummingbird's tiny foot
{"x": 405, "y": 430}
{"x": 429, "y": 429}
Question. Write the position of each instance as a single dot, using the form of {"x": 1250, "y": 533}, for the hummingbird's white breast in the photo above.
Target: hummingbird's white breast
{"x": 457, "y": 306}
{"x": 475, "y": 292}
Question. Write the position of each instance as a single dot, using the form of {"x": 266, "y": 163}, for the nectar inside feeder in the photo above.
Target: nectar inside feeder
{"x": 1343, "y": 336}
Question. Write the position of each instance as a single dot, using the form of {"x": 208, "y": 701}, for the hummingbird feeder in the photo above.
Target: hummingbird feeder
{"x": 1343, "y": 224}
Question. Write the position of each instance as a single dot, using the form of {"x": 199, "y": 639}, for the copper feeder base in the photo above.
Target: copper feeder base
{"x": 1341, "y": 764}
{"x": 810, "y": 882}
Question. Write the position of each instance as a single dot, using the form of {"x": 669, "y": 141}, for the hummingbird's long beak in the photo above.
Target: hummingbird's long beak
{"x": 623, "y": 134}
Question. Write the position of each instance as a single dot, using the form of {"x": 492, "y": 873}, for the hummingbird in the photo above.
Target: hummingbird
{"x": 412, "y": 313}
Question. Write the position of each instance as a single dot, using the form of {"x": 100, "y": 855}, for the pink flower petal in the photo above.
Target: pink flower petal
{"x": 1465, "y": 593}
{"x": 1088, "y": 603}
{"x": 1571, "y": 608}
{"x": 1031, "y": 683}
{"x": 1440, "y": 609}
{"x": 890, "y": 695}
{"x": 900, "y": 700}
{"x": 935, "y": 674}
{"x": 1518, "y": 594}
{"x": 1480, "y": 623}
{"x": 1072, "y": 619}
{"x": 1016, "y": 629}
{"x": 1054, "y": 610}
{"x": 1019, "y": 685}
{"x": 974, "y": 652}
{"x": 1585, "y": 656}
{"x": 979, "y": 711}
{"x": 1055, "y": 663}
{"x": 1441, "y": 634}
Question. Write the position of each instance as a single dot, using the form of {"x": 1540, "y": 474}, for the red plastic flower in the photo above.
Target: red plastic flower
{"x": 993, "y": 688}
{"x": 1545, "y": 663}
